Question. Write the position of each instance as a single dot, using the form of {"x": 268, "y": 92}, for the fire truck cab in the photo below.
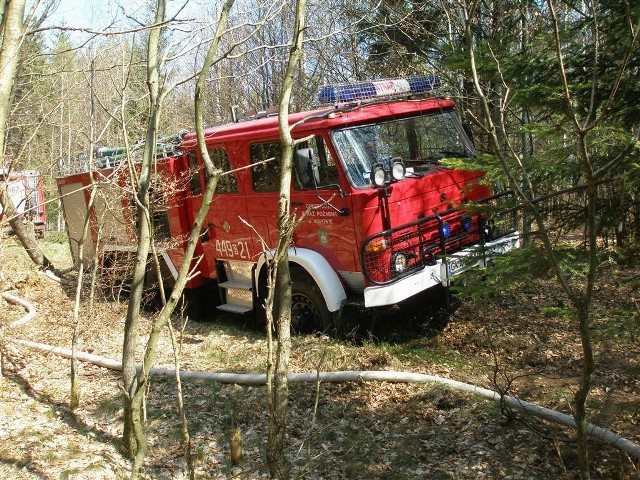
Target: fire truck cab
{"x": 385, "y": 220}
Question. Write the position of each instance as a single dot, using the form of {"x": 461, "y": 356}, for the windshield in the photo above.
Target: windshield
{"x": 417, "y": 141}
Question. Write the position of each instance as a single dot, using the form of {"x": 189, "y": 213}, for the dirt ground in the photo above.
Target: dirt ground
{"x": 522, "y": 341}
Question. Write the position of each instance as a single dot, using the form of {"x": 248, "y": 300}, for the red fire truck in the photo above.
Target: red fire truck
{"x": 386, "y": 219}
{"x": 26, "y": 191}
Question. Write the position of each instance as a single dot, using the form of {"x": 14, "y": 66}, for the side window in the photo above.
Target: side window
{"x": 194, "y": 174}
{"x": 226, "y": 183}
{"x": 327, "y": 171}
{"x": 266, "y": 176}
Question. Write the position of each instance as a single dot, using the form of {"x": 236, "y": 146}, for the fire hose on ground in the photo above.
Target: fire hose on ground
{"x": 554, "y": 416}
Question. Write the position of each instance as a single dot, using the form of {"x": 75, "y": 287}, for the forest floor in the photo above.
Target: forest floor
{"x": 521, "y": 340}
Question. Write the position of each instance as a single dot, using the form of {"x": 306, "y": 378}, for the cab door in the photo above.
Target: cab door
{"x": 328, "y": 225}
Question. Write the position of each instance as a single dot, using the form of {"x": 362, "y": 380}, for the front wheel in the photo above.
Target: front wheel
{"x": 309, "y": 311}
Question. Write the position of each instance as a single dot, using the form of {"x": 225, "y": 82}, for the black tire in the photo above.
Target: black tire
{"x": 309, "y": 312}
{"x": 201, "y": 302}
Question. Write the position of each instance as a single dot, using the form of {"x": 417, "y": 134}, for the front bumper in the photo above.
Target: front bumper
{"x": 478, "y": 255}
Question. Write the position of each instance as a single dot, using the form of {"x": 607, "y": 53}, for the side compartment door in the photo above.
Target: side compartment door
{"x": 223, "y": 235}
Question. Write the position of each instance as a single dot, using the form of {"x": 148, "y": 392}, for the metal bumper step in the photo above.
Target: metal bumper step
{"x": 238, "y": 290}
{"x": 239, "y": 309}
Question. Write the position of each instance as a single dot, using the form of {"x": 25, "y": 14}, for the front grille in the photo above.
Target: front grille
{"x": 424, "y": 241}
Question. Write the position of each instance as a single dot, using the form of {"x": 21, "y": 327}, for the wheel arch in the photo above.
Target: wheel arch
{"x": 317, "y": 267}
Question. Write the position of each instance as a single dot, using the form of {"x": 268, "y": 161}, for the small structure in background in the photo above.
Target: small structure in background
{"x": 25, "y": 188}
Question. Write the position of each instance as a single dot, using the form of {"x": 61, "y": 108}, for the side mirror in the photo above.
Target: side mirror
{"x": 307, "y": 168}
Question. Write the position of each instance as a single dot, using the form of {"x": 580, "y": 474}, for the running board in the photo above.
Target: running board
{"x": 238, "y": 309}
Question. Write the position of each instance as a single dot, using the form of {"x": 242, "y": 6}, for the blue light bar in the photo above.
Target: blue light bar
{"x": 331, "y": 94}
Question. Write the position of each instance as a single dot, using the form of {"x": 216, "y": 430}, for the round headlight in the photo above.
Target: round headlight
{"x": 445, "y": 229}
{"x": 378, "y": 175}
{"x": 399, "y": 262}
{"x": 398, "y": 170}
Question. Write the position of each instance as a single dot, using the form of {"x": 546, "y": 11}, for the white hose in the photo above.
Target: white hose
{"x": 31, "y": 310}
{"x": 52, "y": 276}
{"x": 600, "y": 433}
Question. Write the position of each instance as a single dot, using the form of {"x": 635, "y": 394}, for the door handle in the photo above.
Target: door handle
{"x": 204, "y": 233}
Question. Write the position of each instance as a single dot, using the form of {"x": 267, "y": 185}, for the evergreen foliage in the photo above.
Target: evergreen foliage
{"x": 516, "y": 60}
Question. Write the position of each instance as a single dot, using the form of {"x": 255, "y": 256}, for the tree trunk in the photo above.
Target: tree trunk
{"x": 139, "y": 382}
{"x": 134, "y": 433}
{"x": 13, "y": 28}
{"x": 580, "y": 294}
{"x": 278, "y": 412}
